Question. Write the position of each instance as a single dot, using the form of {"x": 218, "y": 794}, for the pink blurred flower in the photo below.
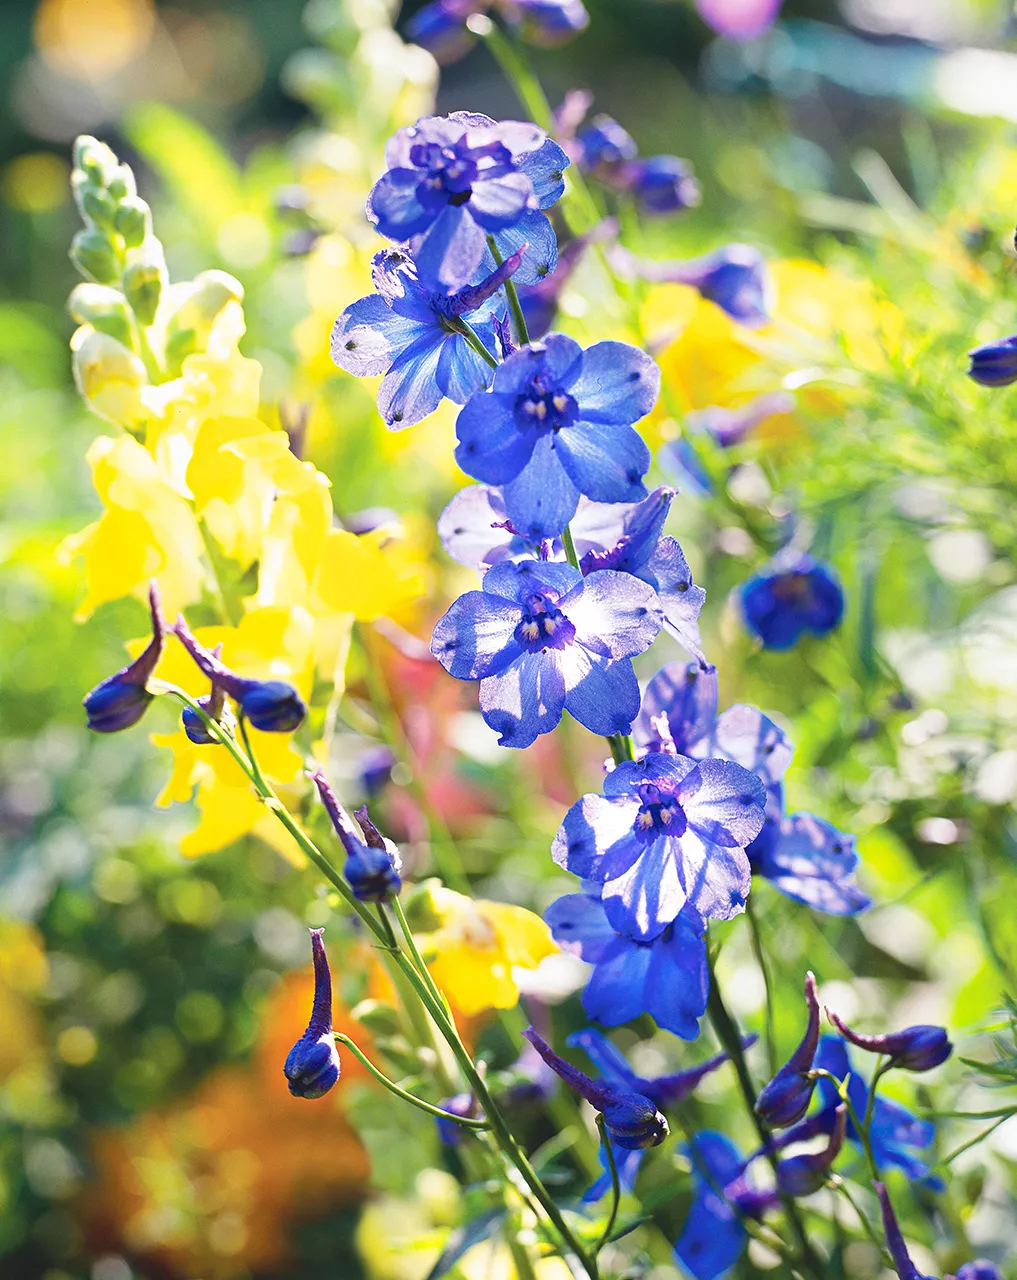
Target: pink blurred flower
{"x": 739, "y": 19}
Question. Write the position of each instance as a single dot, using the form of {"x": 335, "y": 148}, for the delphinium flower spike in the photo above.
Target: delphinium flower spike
{"x": 312, "y": 1065}
{"x": 785, "y": 1099}
{"x": 918, "y": 1048}
{"x": 372, "y": 862}
{"x": 272, "y": 706}
{"x": 631, "y": 1121}
{"x": 120, "y": 700}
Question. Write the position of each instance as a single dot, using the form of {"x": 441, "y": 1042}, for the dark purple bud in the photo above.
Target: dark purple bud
{"x": 903, "y": 1265}
{"x": 785, "y": 1099}
{"x": 122, "y": 699}
{"x": 440, "y": 28}
{"x": 803, "y": 1175}
{"x": 994, "y": 364}
{"x": 272, "y": 706}
{"x": 659, "y": 184}
{"x": 372, "y": 862}
{"x": 605, "y": 142}
{"x": 632, "y": 1121}
{"x": 917, "y": 1048}
{"x": 735, "y": 277}
{"x": 980, "y": 1269}
{"x": 546, "y": 23}
{"x": 470, "y": 298}
{"x": 461, "y": 1104}
{"x": 213, "y": 704}
{"x": 312, "y": 1066}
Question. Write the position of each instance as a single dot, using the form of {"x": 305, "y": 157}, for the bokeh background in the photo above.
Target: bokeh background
{"x": 147, "y": 1000}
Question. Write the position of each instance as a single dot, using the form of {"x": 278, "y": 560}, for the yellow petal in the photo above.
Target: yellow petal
{"x": 357, "y": 577}
{"x": 524, "y": 937}
{"x": 227, "y": 813}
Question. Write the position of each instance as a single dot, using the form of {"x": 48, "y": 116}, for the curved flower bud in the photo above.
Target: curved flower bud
{"x": 440, "y": 28}
{"x": 994, "y": 364}
{"x": 312, "y": 1066}
{"x": 273, "y": 706}
{"x": 905, "y": 1268}
{"x": 372, "y": 862}
{"x": 918, "y": 1048}
{"x": 802, "y": 1175}
{"x": 785, "y": 1099}
{"x": 660, "y": 184}
{"x": 631, "y": 1120}
{"x": 214, "y": 705}
{"x": 122, "y": 699}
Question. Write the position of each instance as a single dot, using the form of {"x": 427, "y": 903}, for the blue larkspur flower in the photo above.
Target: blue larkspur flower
{"x": 454, "y": 180}
{"x": 794, "y": 595}
{"x": 631, "y": 1120}
{"x": 440, "y": 28}
{"x": 659, "y": 184}
{"x": 666, "y": 977}
{"x": 312, "y": 1066}
{"x": 807, "y": 859}
{"x": 557, "y": 423}
{"x": 667, "y": 831}
{"x": 213, "y": 704}
{"x": 735, "y": 277}
{"x": 713, "y": 1238}
{"x": 604, "y": 142}
{"x": 548, "y": 24}
{"x": 994, "y": 364}
{"x": 405, "y": 331}
{"x": 120, "y": 700}
{"x": 541, "y": 639}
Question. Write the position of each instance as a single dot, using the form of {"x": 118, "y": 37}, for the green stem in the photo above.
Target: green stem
{"x": 467, "y": 331}
{"x": 518, "y": 73}
{"x": 621, "y": 747}
{"x": 973, "y": 1142}
{"x": 858, "y": 1121}
{"x": 764, "y": 969}
{"x": 612, "y": 1165}
{"x": 518, "y": 319}
{"x": 463, "y": 1121}
{"x": 839, "y": 1185}
{"x": 568, "y": 542}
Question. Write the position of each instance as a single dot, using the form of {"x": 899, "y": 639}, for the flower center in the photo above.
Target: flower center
{"x": 793, "y": 590}
{"x": 659, "y": 814}
{"x": 544, "y": 626}
{"x": 544, "y": 408}
{"x": 449, "y": 174}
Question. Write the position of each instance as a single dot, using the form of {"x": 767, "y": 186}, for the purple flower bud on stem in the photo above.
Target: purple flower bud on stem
{"x": 213, "y": 704}
{"x": 905, "y": 1268}
{"x": 546, "y": 23}
{"x": 803, "y": 1175}
{"x": 785, "y": 1099}
{"x": 980, "y": 1269}
{"x": 312, "y": 1066}
{"x": 994, "y": 364}
{"x": 122, "y": 699}
{"x": 372, "y": 862}
{"x": 272, "y": 706}
{"x": 918, "y": 1048}
{"x": 631, "y": 1120}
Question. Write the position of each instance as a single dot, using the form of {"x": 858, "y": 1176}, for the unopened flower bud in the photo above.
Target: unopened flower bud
{"x": 804, "y": 1175}
{"x": 660, "y": 184}
{"x": 121, "y": 184}
{"x": 121, "y": 700}
{"x": 109, "y": 376}
{"x": 200, "y": 304}
{"x": 104, "y": 308}
{"x": 312, "y": 1066}
{"x": 994, "y": 364}
{"x": 133, "y": 220}
{"x": 785, "y": 1099}
{"x": 440, "y": 28}
{"x": 902, "y": 1263}
{"x": 980, "y": 1269}
{"x": 372, "y": 862}
{"x": 97, "y": 205}
{"x": 144, "y": 279}
{"x": 546, "y": 23}
{"x": 94, "y": 159}
{"x": 214, "y": 705}
{"x": 631, "y": 1120}
{"x": 918, "y": 1048}
{"x": 605, "y": 142}
{"x": 95, "y": 257}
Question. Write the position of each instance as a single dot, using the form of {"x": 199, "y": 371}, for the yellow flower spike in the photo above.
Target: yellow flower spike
{"x": 477, "y": 946}
{"x": 358, "y": 575}
{"x": 147, "y": 531}
{"x": 110, "y": 377}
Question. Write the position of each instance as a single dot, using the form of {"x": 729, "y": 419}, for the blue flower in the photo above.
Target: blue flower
{"x": 312, "y": 1065}
{"x": 919, "y": 1048}
{"x": 895, "y": 1132}
{"x": 659, "y": 184}
{"x": 546, "y": 23}
{"x": 666, "y": 831}
{"x": 440, "y": 28}
{"x": 372, "y": 863}
{"x": 542, "y": 639}
{"x": 735, "y": 277}
{"x": 665, "y": 1091}
{"x": 632, "y": 1121}
{"x": 406, "y": 332}
{"x": 810, "y": 862}
{"x": 122, "y": 699}
{"x": 667, "y": 977}
{"x": 795, "y": 595}
{"x": 557, "y": 423}
{"x": 994, "y": 364}
{"x": 454, "y": 180}
{"x": 604, "y": 142}
{"x": 714, "y": 1236}
{"x": 784, "y": 1100}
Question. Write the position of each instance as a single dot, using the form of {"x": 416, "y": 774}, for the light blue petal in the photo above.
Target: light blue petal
{"x": 814, "y": 863}
{"x": 603, "y": 695}
{"x": 410, "y": 390}
{"x": 369, "y": 335}
{"x": 723, "y": 802}
{"x": 520, "y": 579}
{"x": 681, "y": 600}
{"x": 499, "y": 203}
{"x": 393, "y": 206}
{"x": 657, "y": 767}
{"x": 466, "y": 527}
{"x": 452, "y": 249}
{"x": 648, "y": 896}
{"x": 476, "y": 637}
{"x": 545, "y": 168}
{"x": 541, "y": 257}
{"x": 715, "y": 878}
{"x": 615, "y": 615}
{"x": 686, "y": 693}
{"x": 595, "y": 840}
{"x": 540, "y": 498}
{"x": 619, "y": 384}
{"x": 524, "y": 700}
{"x": 559, "y": 358}
{"x": 743, "y": 734}
{"x": 491, "y": 447}
{"x": 607, "y": 463}
{"x": 461, "y": 371}
{"x": 579, "y": 926}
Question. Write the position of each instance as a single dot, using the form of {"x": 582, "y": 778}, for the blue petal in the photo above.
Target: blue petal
{"x": 686, "y": 693}
{"x": 615, "y": 991}
{"x": 814, "y": 863}
{"x": 558, "y": 358}
{"x": 541, "y": 498}
{"x": 368, "y": 335}
{"x": 541, "y": 257}
{"x": 619, "y": 384}
{"x": 603, "y": 695}
{"x": 657, "y": 767}
{"x": 498, "y": 203}
{"x": 743, "y": 734}
{"x": 545, "y": 168}
{"x": 595, "y": 840}
{"x": 712, "y": 1239}
{"x": 715, "y": 878}
{"x": 467, "y": 532}
{"x": 615, "y": 615}
{"x": 612, "y": 1065}
{"x": 410, "y": 390}
{"x": 644, "y": 900}
{"x": 452, "y": 249}
{"x": 461, "y": 371}
{"x": 642, "y": 530}
{"x": 681, "y": 599}
{"x": 524, "y": 700}
{"x": 723, "y": 802}
{"x": 579, "y": 926}
{"x": 491, "y": 447}
{"x": 607, "y": 463}
{"x": 678, "y": 983}
{"x": 476, "y": 637}
{"x": 520, "y": 579}
{"x": 394, "y": 208}
{"x": 627, "y": 1163}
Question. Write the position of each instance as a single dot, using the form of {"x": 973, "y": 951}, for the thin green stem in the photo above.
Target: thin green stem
{"x": 973, "y": 1142}
{"x": 612, "y": 1166}
{"x": 764, "y": 968}
{"x": 621, "y": 747}
{"x": 858, "y": 1121}
{"x": 838, "y": 1184}
{"x": 568, "y": 542}
{"x": 466, "y": 330}
{"x": 515, "y": 306}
